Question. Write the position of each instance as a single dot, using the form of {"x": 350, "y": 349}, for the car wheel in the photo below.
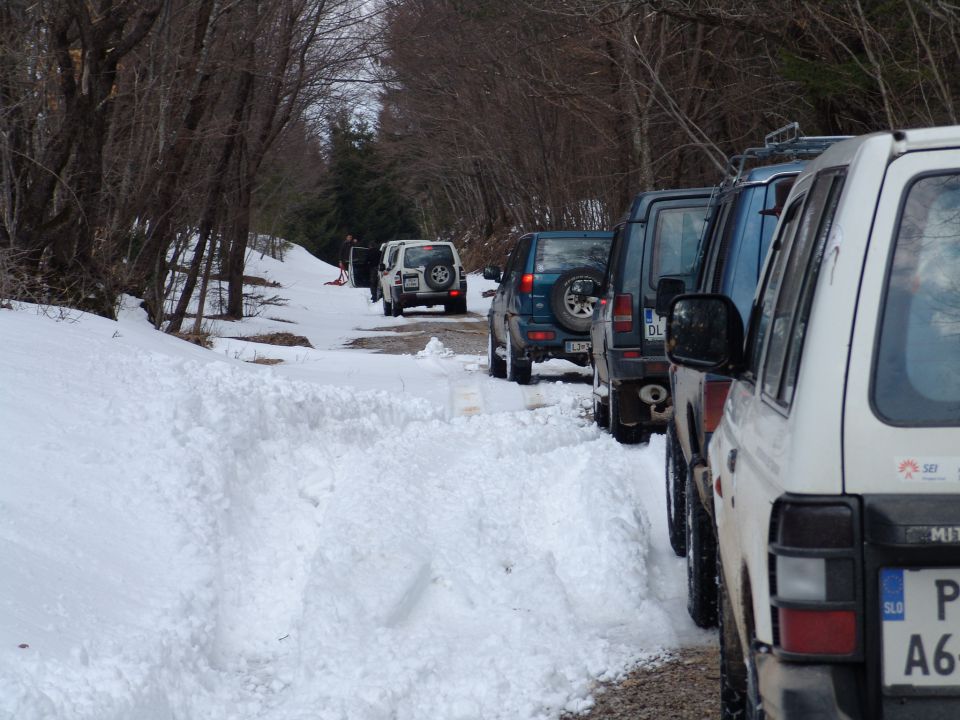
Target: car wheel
{"x": 518, "y": 368}
{"x": 701, "y": 560}
{"x": 574, "y": 311}
{"x": 676, "y": 481}
{"x": 438, "y": 275}
{"x": 733, "y": 669}
{"x": 496, "y": 365}
{"x": 624, "y": 434}
{"x": 601, "y": 410}
{"x": 387, "y": 307}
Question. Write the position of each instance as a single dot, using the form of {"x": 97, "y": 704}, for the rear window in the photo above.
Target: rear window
{"x": 917, "y": 378}
{"x": 678, "y": 234}
{"x": 554, "y": 255}
{"x": 420, "y": 255}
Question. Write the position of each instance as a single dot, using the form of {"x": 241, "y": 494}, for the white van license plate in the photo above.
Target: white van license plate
{"x": 576, "y": 346}
{"x": 920, "y": 611}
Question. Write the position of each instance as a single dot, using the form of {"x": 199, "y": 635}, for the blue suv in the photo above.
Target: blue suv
{"x": 741, "y": 223}
{"x": 538, "y": 311}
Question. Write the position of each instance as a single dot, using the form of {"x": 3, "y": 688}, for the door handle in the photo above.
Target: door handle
{"x": 732, "y": 460}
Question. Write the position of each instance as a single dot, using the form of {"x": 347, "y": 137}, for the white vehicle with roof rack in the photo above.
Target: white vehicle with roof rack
{"x": 835, "y": 468}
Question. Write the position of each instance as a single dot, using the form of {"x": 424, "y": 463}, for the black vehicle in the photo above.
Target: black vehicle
{"x": 741, "y": 223}
{"x": 660, "y": 236}
{"x": 538, "y": 311}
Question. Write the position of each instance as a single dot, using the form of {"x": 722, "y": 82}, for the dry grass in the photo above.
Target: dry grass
{"x": 284, "y": 339}
{"x": 201, "y": 338}
{"x": 265, "y": 361}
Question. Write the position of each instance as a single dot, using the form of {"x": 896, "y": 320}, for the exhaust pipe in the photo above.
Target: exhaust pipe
{"x": 653, "y": 394}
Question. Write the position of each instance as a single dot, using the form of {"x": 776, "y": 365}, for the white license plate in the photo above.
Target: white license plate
{"x": 920, "y": 610}
{"x": 576, "y": 346}
{"x": 410, "y": 284}
{"x": 654, "y": 325}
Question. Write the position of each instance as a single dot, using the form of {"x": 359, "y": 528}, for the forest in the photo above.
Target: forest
{"x": 147, "y": 145}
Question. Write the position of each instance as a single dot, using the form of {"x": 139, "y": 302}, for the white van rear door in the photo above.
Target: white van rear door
{"x": 902, "y": 407}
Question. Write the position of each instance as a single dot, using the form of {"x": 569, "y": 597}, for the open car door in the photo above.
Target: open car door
{"x": 362, "y": 261}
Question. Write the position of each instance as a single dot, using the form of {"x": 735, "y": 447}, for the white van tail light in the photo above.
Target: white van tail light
{"x": 815, "y": 570}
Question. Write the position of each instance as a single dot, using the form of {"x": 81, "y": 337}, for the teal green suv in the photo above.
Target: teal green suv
{"x": 540, "y": 310}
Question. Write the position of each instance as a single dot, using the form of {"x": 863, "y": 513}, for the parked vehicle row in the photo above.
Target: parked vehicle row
{"x": 831, "y": 481}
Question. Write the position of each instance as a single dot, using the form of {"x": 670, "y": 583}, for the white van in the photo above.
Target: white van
{"x": 836, "y": 466}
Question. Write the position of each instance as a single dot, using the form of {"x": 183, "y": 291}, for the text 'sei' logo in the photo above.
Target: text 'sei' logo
{"x": 907, "y": 468}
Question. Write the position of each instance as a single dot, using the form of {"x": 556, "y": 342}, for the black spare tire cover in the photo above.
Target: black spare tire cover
{"x": 438, "y": 275}
{"x": 573, "y": 311}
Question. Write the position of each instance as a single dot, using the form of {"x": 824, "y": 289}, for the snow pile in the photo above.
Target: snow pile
{"x": 436, "y": 349}
{"x": 184, "y": 535}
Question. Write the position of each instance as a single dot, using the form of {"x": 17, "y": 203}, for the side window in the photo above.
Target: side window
{"x": 613, "y": 261}
{"x": 795, "y": 299}
{"x": 677, "y": 235}
{"x": 519, "y": 257}
{"x": 771, "y": 285}
{"x": 720, "y": 245}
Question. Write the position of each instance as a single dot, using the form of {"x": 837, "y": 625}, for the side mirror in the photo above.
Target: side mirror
{"x": 667, "y": 289}
{"x": 585, "y": 287}
{"x": 705, "y": 332}
{"x": 492, "y": 272}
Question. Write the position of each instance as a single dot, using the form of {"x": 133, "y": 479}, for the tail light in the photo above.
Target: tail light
{"x": 396, "y": 279}
{"x": 714, "y": 396}
{"x": 540, "y": 335}
{"x": 526, "y": 283}
{"x": 623, "y": 313}
{"x": 454, "y": 293}
{"x": 814, "y": 571}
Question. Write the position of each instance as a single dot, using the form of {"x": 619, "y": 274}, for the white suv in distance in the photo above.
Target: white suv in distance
{"x": 836, "y": 467}
{"x": 422, "y": 273}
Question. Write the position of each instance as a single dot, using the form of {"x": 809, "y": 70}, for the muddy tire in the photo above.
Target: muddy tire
{"x": 676, "y": 482}
{"x": 518, "y": 367}
{"x": 701, "y": 560}
{"x": 496, "y": 365}
{"x": 623, "y": 434}
{"x": 601, "y": 410}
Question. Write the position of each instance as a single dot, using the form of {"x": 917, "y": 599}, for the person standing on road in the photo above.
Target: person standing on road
{"x": 348, "y": 244}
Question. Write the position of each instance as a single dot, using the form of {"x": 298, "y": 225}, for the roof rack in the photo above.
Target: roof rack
{"x": 786, "y": 142}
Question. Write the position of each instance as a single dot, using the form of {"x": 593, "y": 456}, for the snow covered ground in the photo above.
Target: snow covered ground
{"x": 347, "y": 535}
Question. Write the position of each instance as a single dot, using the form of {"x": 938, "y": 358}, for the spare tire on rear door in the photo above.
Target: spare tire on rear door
{"x": 438, "y": 275}
{"x": 571, "y": 310}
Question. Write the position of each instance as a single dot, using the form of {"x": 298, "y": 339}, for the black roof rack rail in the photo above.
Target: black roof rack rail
{"x": 785, "y": 142}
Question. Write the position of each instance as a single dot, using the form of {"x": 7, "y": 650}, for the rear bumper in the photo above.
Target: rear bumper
{"x": 541, "y": 350}
{"x": 630, "y": 366}
{"x": 421, "y": 298}
{"x": 643, "y": 383}
{"x": 794, "y": 691}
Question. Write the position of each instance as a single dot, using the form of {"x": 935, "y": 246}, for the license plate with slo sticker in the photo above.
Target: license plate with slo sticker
{"x": 575, "y": 346}
{"x": 920, "y": 612}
